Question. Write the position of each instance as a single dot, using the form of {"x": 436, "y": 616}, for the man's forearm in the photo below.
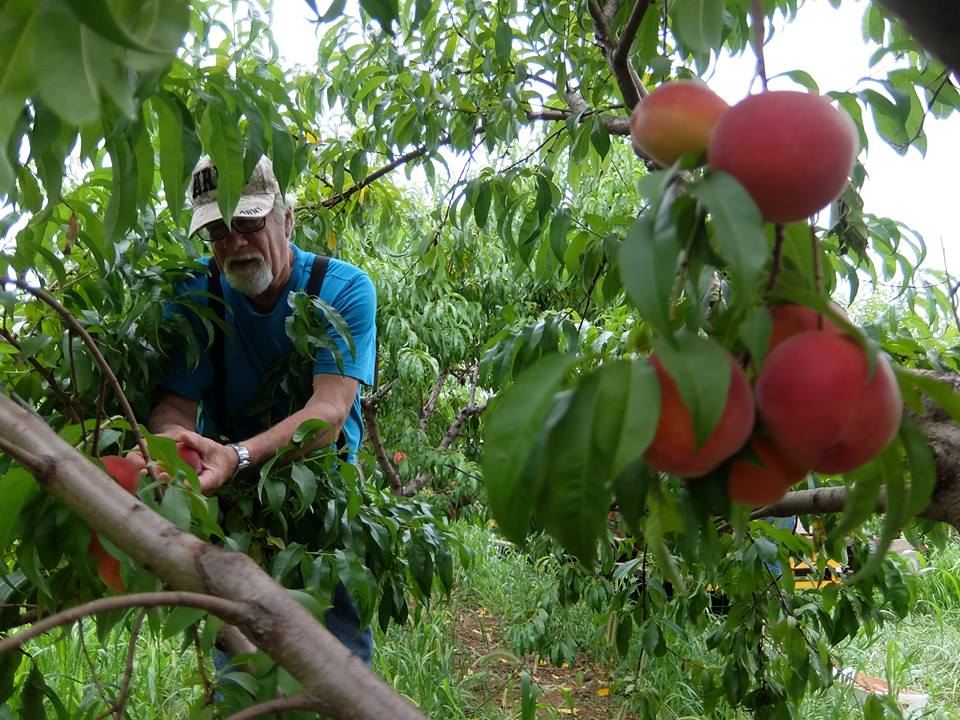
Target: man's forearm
{"x": 263, "y": 446}
{"x": 167, "y": 420}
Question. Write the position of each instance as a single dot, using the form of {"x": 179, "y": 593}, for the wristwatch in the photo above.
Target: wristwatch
{"x": 243, "y": 455}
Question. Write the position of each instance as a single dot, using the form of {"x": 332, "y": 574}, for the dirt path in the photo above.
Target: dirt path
{"x": 494, "y": 675}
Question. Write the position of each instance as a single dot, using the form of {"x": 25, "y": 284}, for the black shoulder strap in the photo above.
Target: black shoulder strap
{"x": 219, "y": 350}
{"x": 317, "y": 273}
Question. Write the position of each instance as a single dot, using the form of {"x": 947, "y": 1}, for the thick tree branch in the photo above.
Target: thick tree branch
{"x": 824, "y": 500}
{"x": 617, "y": 53}
{"x": 934, "y": 23}
{"x": 369, "y": 409}
{"x": 333, "y": 677}
{"x": 620, "y": 58}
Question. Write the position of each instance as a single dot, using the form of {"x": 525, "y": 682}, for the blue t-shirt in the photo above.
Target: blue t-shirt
{"x": 259, "y": 354}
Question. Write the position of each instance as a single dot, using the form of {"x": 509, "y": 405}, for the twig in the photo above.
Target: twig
{"x": 756, "y": 14}
{"x": 953, "y": 287}
{"x": 228, "y": 609}
{"x": 24, "y": 457}
{"x": 117, "y": 708}
{"x": 45, "y": 374}
{"x": 207, "y": 686}
{"x": 278, "y": 706}
{"x": 428, "y": 409}
{"x": 777, "y": 257}
{"x": 101, "y": 691}
{"x": 76, "y": 327}
{"x": 817, "y": 268}
{"x": 73, "y": 380}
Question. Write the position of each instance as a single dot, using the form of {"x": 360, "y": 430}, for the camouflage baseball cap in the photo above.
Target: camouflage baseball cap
{"x": 256, "y": 201}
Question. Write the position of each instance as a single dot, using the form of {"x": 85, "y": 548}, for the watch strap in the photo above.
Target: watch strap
{"x": 243, "y": 455}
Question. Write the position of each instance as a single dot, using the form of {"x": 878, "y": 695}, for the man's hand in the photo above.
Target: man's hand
{"x": 219, "y": 462}
{"x": 214, "y": 463}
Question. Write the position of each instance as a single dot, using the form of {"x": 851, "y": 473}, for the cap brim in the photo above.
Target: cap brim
{"x": 248, "y": 206}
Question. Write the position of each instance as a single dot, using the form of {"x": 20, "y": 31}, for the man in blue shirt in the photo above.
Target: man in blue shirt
{"x": 258, "y": 267}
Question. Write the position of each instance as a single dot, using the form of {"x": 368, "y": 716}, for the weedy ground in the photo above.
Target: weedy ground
{"x": 457, "y": 658}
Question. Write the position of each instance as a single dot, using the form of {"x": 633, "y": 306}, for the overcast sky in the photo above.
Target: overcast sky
{"x": 918, "y": 191}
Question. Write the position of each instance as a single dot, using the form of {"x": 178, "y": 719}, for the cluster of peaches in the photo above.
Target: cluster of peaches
{"x": 127, "y": 475}
{"x": 823, "y": 406}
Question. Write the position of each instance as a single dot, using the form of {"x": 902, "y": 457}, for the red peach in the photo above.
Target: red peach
{"x": 820, "y": 406}
{"x": 674, "y": 448}
{"x": 792, "y": 151}
{"x": 763, "y": 479}
{"x": 675, "y": 119}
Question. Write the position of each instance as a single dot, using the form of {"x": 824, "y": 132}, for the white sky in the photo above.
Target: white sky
{"x": 827, "y": 43}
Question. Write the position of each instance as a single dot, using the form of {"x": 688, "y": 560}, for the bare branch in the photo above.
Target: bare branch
{"x": 369, "y": 410}
{"x": 824, "y": 500}
{"x": 94, "y": 349}
{"x": 431, "y": 405}
{"x": 278, "y": 706}
{"x": 117, "y": 707}
{"x": 228, "y": 609}
{"x": 456, "y": 427}
{"x": 620, "y": 57}
{"x": 623, "y": 73}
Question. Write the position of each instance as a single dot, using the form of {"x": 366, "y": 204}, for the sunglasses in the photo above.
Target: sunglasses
{"x": 217, "y": 230}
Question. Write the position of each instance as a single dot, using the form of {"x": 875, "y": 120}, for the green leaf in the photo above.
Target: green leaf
{"x": 98, "y": 15}
{"x": 31, "y": 696}
{"x": 559, "y": 227}
{"x": 481, "y": 208}
{"x": 701, "y": 370}
{"x": 19, "y": 487}
{"x": 738, "y": 230}
{"x": 305, "y": 482}
{"x": 283, "y": 153}
{"x": 633, "y": 428}
{"x": 648, "y": 264}
{"x": 221, "y": 136}
{"x": 755, "y": 333}
{"x": 699, "y": 23}
{"x": 175, "y": 507}
{"x": 600, "y": 138}
{"x": 923, "y": 469}
{"x": 383, "y": 11}
{"x": 65, "y": 69}
{"x": 180, "y": 618}
{"x": 515, "y": 419}
{"x": 503, "y": 39}
{"x": 862, "y": 497}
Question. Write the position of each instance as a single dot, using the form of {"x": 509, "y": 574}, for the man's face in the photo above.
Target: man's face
{"x": 253, "y": 259}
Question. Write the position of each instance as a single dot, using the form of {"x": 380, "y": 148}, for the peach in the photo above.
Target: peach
{"x": 125, "y": 472}
{"x": 675, "y": 119}
{"x": 108, "y": 567}
{"x": 764, "y": 478}
{"x": 820, "y": 406}
{"x": 674, "y": 448}
{"x": 790, "y": 320}
{"x": 190, "y": 456}
{"x": 792, "y": 151}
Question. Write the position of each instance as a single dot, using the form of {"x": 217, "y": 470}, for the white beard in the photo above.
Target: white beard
{"x": 251, "y": 281}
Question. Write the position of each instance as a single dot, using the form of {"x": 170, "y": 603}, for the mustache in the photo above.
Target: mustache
{"x": 242, "y": 258}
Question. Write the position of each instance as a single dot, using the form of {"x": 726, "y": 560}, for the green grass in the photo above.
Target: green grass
{"x": 457, "y": 657}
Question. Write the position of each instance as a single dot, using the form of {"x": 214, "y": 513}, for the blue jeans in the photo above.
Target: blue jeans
{"x": 341, "y": 620}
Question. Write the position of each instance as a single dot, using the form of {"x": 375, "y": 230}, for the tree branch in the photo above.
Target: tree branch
{"x": 91, "y": 344}
{"x": 45, "y": 374}
{"x": 427, "y": 410}
{"x": 278, "y": 706}
{"x": 369, "y": 410}
{"x": 228, "y": 609}
{"x": 825, "y": 500}
{"x": 627, "y": 80}
{"x": 620, "y": 57}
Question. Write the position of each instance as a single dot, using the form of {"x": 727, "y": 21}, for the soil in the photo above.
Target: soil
{"x": 495, "y": 672}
